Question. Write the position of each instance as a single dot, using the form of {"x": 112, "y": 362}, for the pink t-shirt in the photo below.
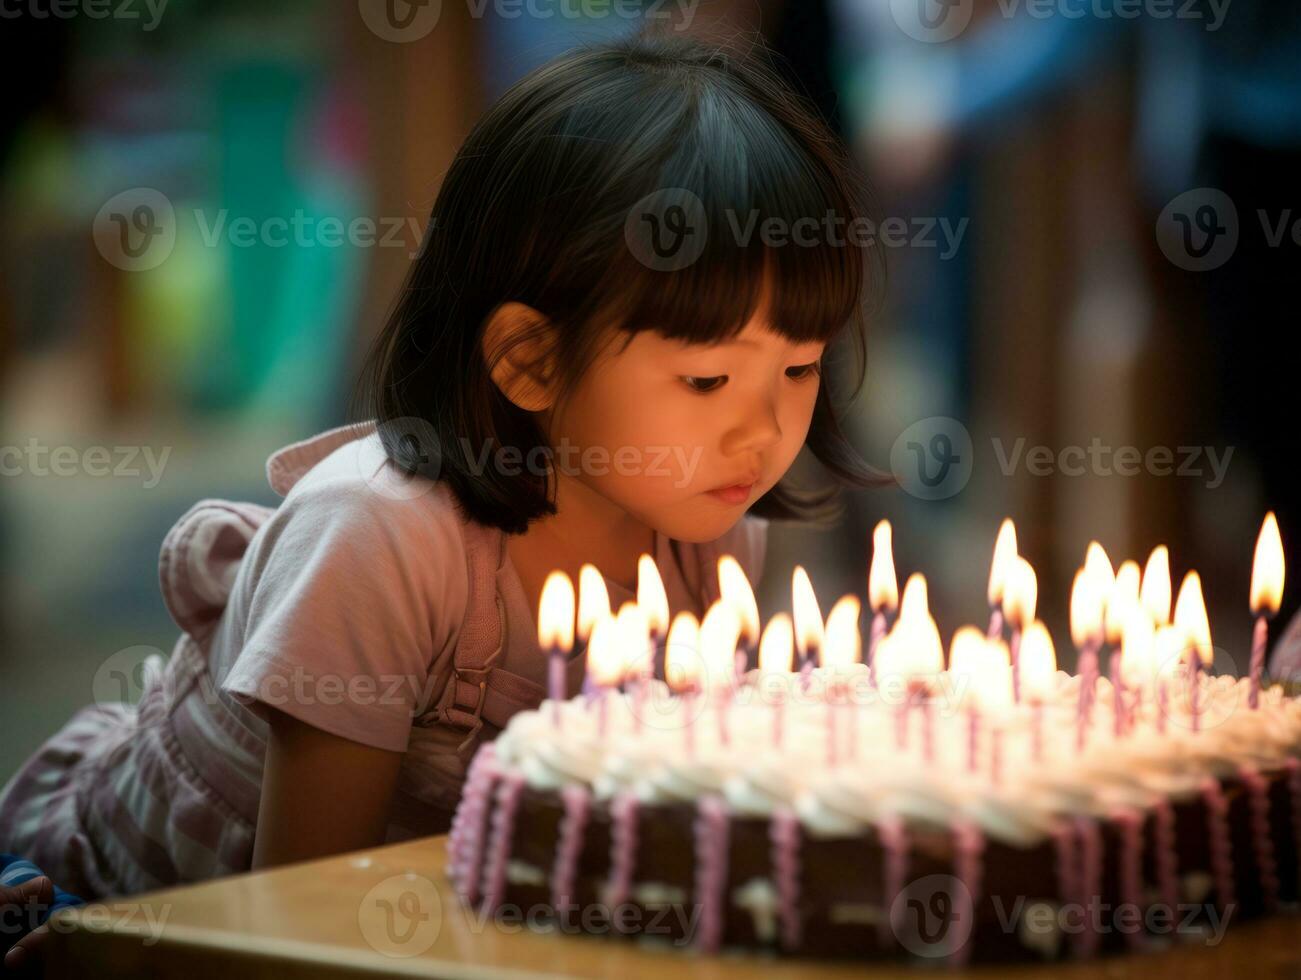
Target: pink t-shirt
{"x": 346, "y": 610}
{"x": 345, "y": 607}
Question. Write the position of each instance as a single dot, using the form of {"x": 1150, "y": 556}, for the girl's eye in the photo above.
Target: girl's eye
{"x": 703, "y": 385}
{"x": 803, "y": 371}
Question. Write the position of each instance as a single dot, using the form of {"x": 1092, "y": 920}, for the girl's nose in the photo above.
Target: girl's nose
{"x": 757, "y": 431}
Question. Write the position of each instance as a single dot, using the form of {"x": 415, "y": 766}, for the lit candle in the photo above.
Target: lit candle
{"x": 924, "y": 662}
{"x": 1138, "y": 660}
{"x": 1195, "y": 631}
{"x": 1038, "y": 678}
{"x": 683, "y": 668}
{"x": 1266, "y": 597}
{"x": 638, "y": 655}
{"x": 841, "y": 649}
{"x": 993, "y": 693}
{"x": 914, "y": 627}
{"x": 968, "y": 655}
{"x": 808, "y": 622}
{"x": 882, "y": 587}
{"x": 1088, "y": 600}
{"x": 776, "y": 657}
{"x": 719, "y": 632}
{"x": 593, "y": 603}
{"x": 1154, "y": 593}
{"x": 556, "y": 634}
{"x": 734, "y": 588}
{"x": 1168, "y": 646}
{"x": 1124, "y": 597}
{"x": 605, "y": 664}
{"x": 655, "y": 603}
{"x": 1099, "y": 565}
{"x": 1004, "y": 553}
{"x": 1020, "y": 595}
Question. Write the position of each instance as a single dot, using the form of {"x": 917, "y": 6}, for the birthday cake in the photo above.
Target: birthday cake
{"x": 1136, "y": 839}
{"x": 990, "y": 808}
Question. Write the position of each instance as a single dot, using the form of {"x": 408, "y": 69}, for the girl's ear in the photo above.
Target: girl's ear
{"x": 519, "y": 351}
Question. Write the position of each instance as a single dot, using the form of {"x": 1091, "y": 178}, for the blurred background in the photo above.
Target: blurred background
{"x": 1089, "y": 212}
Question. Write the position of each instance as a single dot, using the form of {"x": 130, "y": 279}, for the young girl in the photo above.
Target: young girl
{"x": 612, "y": 343}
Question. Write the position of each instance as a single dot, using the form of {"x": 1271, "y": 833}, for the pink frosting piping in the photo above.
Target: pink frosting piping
{"x": 467, "y": 834}
{"x": 1258, "y": 798}
{"x": 1166, "y": 857}
{"x": 623, "y": 847}
{"x": 569, "y": 843}
{"x": 1221, "y": 856}
{"x": 503, "y": 828}
{"x": 711, "y": 833}
{"x": 968, "y": 848}
{"x": 1086, "y": 940}
{"x": 784, "y": 832}
{"x": 1131, "y": 868}
{"x": 894, "y": 842}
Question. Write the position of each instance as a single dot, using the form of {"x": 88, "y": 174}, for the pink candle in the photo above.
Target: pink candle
{"x": 996, "y": 755}
{"x": 1117, "y": 694}
{"x": 1259, "y": 638}
{"x": 973, "y": 738}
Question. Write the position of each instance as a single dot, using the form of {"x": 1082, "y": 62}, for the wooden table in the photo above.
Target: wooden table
{"x": 390, "y": 911}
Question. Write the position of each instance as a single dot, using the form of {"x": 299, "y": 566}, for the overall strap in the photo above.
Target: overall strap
{"x": 480, "y": 689}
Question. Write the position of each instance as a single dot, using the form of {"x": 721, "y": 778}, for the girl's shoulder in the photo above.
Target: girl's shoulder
{"x": 341, "y": 482}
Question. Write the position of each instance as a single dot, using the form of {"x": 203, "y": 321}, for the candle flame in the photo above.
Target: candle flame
{"x": 925, "y": 648}
{"x": 1267, "y": 569}
{"x": 1124, "y": 593}
{"x": 843, "y": 643}
{"x": 777, "y": 645}
{"x": 882, "y": 585}
{"x": 1191, "y": 618}
{"x": 593, "y": 599}
{"x": 604, "y": 658}
{"x": 1020, "y": 593}
{"x": 1138, "y": 647}
{"x": 682, "y": 663}
{"x": 719, "y": 633}
{"x": 1169, "y": 647}
{"x": 1096, "y": 560}
{"x": 1037, "y": 662}
{"x": 556, "y": 613}
{"x": 651, "y": 596}
{"x": 1004, "y": 552}
{"x": 735, "y": 589}
{"x": 1088, "y": 600}
{"x": 915, "y": 598}
{"x": 967, "y": 650}
{"x": 991, "y": 686}
{"x": 808, "y": 616}
{"x": 634, "y": 637}
{"x": 1155, "y": 591}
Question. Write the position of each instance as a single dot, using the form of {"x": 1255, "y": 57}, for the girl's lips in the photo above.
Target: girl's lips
{"x": 732, "y": 495}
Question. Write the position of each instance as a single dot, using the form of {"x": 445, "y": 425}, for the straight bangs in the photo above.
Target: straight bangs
{"x": 759, "y": 209}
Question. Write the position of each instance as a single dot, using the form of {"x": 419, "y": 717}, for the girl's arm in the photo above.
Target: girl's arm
{"x": 321, "y": 794}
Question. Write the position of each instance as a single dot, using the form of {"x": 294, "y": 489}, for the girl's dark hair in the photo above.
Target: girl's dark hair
{"x": 534, "y": 209}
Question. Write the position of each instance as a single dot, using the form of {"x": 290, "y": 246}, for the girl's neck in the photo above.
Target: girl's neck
{"x": 586, "y": 527}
